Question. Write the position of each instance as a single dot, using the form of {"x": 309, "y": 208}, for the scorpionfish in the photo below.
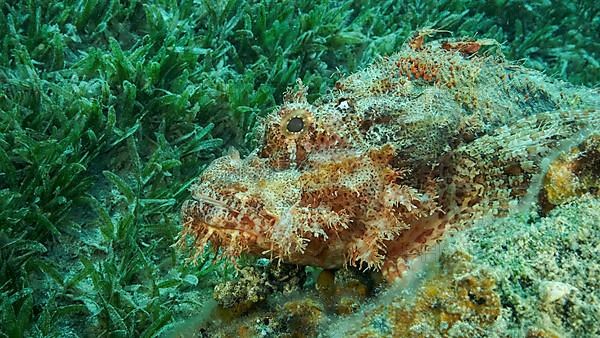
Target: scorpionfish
{"x": 375, "y": 172}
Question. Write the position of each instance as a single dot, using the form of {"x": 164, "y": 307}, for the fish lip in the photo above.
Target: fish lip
{"x": 198, "y": 210}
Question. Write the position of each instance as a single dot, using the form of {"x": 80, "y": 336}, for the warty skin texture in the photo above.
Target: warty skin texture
{"x": 375, "y": 172}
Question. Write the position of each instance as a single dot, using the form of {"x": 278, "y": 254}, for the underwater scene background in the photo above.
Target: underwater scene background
{"x": 111, "y": 110}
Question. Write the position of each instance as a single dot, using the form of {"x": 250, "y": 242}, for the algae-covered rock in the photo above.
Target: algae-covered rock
{"x": 253, "y": 284}
{"x": 454, "y": 298}
{"x": 518, "y": 276}
{"x": 572, "y": 174}
{"x": 547, "y": 268}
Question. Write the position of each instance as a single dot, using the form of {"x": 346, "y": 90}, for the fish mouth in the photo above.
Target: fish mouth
{"x": 237, "y": 205}
{"x": 229, "y": 225}
{"x": 233, "y": 228}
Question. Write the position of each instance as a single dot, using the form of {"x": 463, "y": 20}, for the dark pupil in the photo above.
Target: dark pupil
{"x": 295, "y": 125}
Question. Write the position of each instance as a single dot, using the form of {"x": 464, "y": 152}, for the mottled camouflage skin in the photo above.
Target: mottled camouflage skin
{"x": 379, "y": 169}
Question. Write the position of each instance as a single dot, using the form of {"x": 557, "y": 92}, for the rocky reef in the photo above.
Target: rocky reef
{"x": 523, "y": 275}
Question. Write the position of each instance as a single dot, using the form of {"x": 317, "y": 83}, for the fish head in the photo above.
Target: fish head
{"x": 314, "y": 192}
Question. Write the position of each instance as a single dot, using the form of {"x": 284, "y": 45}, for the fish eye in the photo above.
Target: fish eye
{"x": 295, "y": 125}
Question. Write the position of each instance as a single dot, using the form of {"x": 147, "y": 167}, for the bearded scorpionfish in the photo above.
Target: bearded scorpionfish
{"x": 378, "y": 170}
